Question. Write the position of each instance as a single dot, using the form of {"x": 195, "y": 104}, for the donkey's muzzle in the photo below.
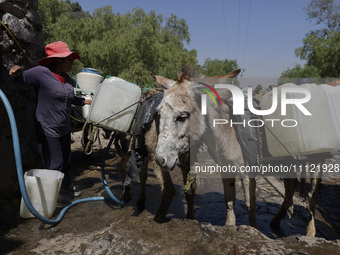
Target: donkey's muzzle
{"x": 160, "y": 160}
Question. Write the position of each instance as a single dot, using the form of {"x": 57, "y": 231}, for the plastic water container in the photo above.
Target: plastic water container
{"x": 112, "y": 96}
{"x": 312, "y": 134}
{"x": 333, "y": 95}
{"x": 81, "y": 112}
{"x": 43, "y": 188}
{"x": 88, "y": 79}
{"x": 86, "y": 108}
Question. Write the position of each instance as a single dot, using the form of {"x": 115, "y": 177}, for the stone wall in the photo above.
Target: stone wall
{"x": 20, "y": 16}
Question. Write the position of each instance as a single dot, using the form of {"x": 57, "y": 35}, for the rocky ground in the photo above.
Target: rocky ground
{"x": 106, "y": 228}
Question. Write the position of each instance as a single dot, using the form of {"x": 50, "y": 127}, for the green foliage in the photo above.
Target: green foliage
{"x": 297, "y": 73}
{"x": 324, "y": 12}
{"x": 218, "y": 67}
{"x": 323, "y": 52}
{"x": 301, "y": 72}
{"x": 75, "y": 6}
{"x": 49, "y": 11}
{"x": 321, "y": 47}
{"x": 134, "y": 46}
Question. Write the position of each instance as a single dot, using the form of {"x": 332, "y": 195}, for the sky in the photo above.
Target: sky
{"x": 261, "y": 35}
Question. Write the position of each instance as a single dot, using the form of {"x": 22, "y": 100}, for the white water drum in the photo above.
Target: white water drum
{"x": 88, "y": 79}
{"x": 333, "y": 95}
{"x": 113, "y": 96}
{"x": 312, "y": 134}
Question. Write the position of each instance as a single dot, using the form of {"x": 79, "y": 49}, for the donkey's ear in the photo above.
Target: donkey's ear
{"x": 162, "y": 82}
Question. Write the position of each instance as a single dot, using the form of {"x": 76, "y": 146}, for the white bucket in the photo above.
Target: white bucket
{"x": 43, "y": 188}
{"x": 88, "y": 79}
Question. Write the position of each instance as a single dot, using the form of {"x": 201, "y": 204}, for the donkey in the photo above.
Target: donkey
{"x": 150, "y": 137}
{"x": 147, "y": 142}
{"x": 182, "y": 129}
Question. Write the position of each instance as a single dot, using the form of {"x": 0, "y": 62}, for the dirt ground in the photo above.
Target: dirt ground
{"x": 103, "y": 227}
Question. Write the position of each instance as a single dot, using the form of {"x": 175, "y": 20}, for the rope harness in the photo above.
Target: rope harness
{"x": 92, "y": 135}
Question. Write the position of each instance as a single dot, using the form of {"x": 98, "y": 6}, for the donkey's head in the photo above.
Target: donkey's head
{"x": 174, "y": 127}
{"x": 180, "y": 117}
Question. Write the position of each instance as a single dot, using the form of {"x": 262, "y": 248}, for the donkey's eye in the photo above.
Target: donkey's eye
{"x": 182, "y": 117}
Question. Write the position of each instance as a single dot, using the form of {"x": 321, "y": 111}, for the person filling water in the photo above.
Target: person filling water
{"x": 55, "y": 95}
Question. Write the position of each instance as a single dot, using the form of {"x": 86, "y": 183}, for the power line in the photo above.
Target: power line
{"x": 273, "y": 55}
{"x": 238, "y": 28}
{"x": 225, "y": 28}
{"x": 247, "y": 30}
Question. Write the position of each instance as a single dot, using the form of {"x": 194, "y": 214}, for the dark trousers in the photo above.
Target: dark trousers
{"x": 55, "y": 153}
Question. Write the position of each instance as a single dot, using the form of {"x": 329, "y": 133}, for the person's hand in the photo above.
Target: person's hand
{"x": 15, "y": 70}
{"x": 88, "y": 101}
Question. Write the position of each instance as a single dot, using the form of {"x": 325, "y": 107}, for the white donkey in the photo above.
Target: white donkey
{"x": 183, "y": 128}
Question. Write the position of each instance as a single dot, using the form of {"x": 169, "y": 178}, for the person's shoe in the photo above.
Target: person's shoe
{"x": 76, "y": 191}
{"x": 71, "y": 189}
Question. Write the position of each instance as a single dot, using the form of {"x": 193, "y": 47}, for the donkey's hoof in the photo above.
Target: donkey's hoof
{"x": 161, "y": 219}
{"x": 191, "y": 217}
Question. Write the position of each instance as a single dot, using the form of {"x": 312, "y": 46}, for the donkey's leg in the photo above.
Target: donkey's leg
{"x": 168, "y": 192}
{"x": 189, "y": 191}
{"x": 123, "y": 151}
{"x": 249, "y": 189}
{"x": 229, "y": 198}
{"x": 313, "y": 197}
{"x": 143, "y": 175}
{"x": 303, "y": 185}
{"x": 252, "y": 213}
{"x": 123, "y": 168}
{"x": 189, "y": 185}
{"x": 290, "y": 185}
{"x": 312, "y": 201}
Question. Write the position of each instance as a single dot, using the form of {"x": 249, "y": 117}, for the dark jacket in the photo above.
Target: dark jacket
{"x": 54, "y": 100}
